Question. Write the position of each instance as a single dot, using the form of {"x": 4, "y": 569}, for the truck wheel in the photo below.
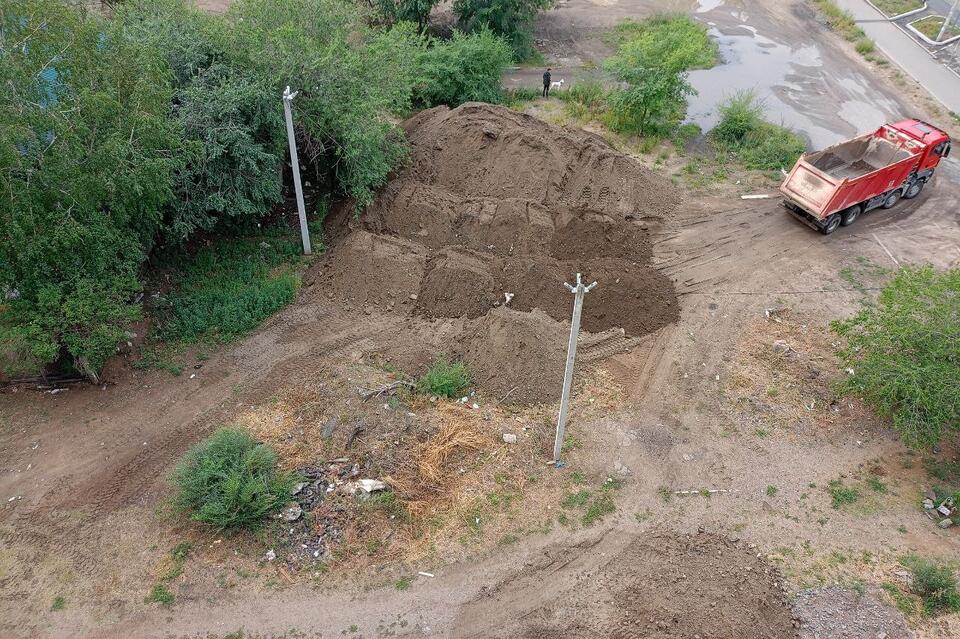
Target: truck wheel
{"x": 832, "y": 223}
{"x": 914, "y": 190}
{"x": 850, "y": 216}
{"x": 891, "y": 200}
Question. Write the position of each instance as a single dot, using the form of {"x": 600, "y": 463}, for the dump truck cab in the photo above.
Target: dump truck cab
{"x": 833, "y": 187}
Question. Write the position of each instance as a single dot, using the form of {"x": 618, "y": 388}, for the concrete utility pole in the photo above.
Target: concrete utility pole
{"x": 295, "y": 164}
{"x": 948, "y": 20}
{"x": 578, "y": 291}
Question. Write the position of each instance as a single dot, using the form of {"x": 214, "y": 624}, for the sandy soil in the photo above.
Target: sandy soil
{"x": 85, "y": 467}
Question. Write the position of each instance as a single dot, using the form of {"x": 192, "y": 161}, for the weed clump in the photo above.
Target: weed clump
{"x": 230, "y": 481}
{"x": 444, "y": 379}
{"x": 935, "y": 585}
{"x": 841, "y": 495}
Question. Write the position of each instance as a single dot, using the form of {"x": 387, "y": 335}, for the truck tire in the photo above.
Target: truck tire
{"x": 850, "y": 216}
{"x": 833, "y": 222}
{"x": 914, "y": 190}
{"x": 891, "y": 200}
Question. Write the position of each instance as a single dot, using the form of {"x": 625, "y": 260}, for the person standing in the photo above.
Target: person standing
{"x": 546, "y": 83}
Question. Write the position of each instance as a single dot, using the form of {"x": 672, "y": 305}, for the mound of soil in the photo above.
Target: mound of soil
{"x": 496, "y": 208}
{"x": 662, "y": 585}
{"x": 515, "y": 355}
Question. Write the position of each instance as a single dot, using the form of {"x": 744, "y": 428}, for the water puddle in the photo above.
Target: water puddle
{"x": 704, "y": 6}
{"x": 798, "y": 91}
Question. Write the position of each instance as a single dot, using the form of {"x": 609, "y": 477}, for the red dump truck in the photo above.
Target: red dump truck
{"x": 832, "y": 187}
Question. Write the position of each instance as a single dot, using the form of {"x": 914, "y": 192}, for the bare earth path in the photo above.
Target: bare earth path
{"x": 88, "y": 464}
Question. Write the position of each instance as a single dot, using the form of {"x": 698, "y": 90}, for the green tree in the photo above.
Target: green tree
{"x": 466, "y": 68}
{"x": 652, "y": 104}
{"x": 513, "y": 19}
{"x": 351, "y": 77}
{"x": 86, "y": 165}
{"x": 230, "y": 118}
{"x": 416, "y": 11}
{"x": 904, "y": 354}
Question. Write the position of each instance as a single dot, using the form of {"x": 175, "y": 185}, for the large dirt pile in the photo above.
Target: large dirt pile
{"x": 498, "y": 208}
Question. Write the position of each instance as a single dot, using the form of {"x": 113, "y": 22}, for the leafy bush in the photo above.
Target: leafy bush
{"x": 758, "y": 144}
{"x": 444, "y": 379}
{"x": 230, "y": 118}
{"x": 652, "y": 105}
{"x": 512, "y": 19}
{"x": 904, "y": 356}
{"x": 466, "y": 68}
{"x": 86, "y": 169}
{"x": 934, "y": 584}
{"x": 864, "y": 46}
{"x": 230, "y": 481}
{"x": 227, "y": 289}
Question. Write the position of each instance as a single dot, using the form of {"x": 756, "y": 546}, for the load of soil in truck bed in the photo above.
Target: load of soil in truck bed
{"x": 492, "y": 213}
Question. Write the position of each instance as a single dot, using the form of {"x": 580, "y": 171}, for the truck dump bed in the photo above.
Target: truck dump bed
{"x": 839, "y": 176}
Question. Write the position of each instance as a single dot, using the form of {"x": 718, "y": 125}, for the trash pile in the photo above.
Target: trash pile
{"x": 941, "y": 509}
{"x": 314, "y": 517}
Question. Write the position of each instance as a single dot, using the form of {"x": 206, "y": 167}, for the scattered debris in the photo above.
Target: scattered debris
{"x": 757, "y": 196}
{"x": 945, "y": 523}
{"x": 425, "y": 574}
{"x": 701, "y": 491}
{"x": 510, "y": 438}
{"x": 270, "y": 555}
{"x": 291, "y": 512}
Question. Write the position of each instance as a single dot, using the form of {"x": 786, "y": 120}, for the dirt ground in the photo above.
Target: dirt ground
{"x": 706, "y": 399}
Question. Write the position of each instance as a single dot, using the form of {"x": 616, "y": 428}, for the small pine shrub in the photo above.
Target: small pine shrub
{"x": 934, "y": 584}
{"x": 444, "y": 379}
{"x": 230, "y": 481}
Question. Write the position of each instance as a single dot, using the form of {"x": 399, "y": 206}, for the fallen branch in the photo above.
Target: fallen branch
{"x": 704, "y": 490}
{"x": 387, "y": 388}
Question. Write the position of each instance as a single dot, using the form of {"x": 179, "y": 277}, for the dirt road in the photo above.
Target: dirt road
{"x": 85, "y": 467}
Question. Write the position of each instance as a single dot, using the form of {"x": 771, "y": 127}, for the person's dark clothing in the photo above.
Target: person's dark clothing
{"x": 546, "y": 84}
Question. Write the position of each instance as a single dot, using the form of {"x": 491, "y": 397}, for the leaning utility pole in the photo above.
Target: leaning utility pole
{"x": 578, "y": 291}
{"x": 295, "y": 164}
{"x": 948, "y": 20}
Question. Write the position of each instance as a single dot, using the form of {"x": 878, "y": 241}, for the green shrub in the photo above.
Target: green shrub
{"x": 585, "y": 100}
{"x": 230, "y": 481}
{"x": 444, "y": 379}
{"x": 903, "y": 354}
{"x": 652, "y": 105}
{"x": 756, "y": 143}
{"x": 512, "y": 19}
{"x": 416, "y": 11}
{"x": 934, "y": 584}
{"x": 86, "y": 167}
{"x": 840, "y": 20}
{"x": 466, "y": 68}
{"x": 227, "y": 289}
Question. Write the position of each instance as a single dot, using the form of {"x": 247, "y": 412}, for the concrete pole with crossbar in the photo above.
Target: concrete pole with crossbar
{"x": 579, "y": 290}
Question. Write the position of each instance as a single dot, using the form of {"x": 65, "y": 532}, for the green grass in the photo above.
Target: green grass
{"x": 59, "y": 603}
{"x": 159, "y": 594}
{"x": 930, "y": 27}
{"x": 772, "y": 491}
{"x": 840, "y": 20}
{"x": 935, "y": 584}
{"x": 677, "y": 36}
{"x": 900, "y": 599}
{"x": 444, "y": 379}
{"x": 876, "y": 485}
{"x": 577, "y": 499}
{"x": 225, "y": 290}
{"x": 757, "y": 144}
{"x": 601, "y": 506}
{"x": 403, "y": 583}
{"x": 570, "y": 443}
{"x": 864, "y": 46}
{"x": 841, "y": 495}
{"x": 896, "y": 7}
{"x": 585, "y": 100}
